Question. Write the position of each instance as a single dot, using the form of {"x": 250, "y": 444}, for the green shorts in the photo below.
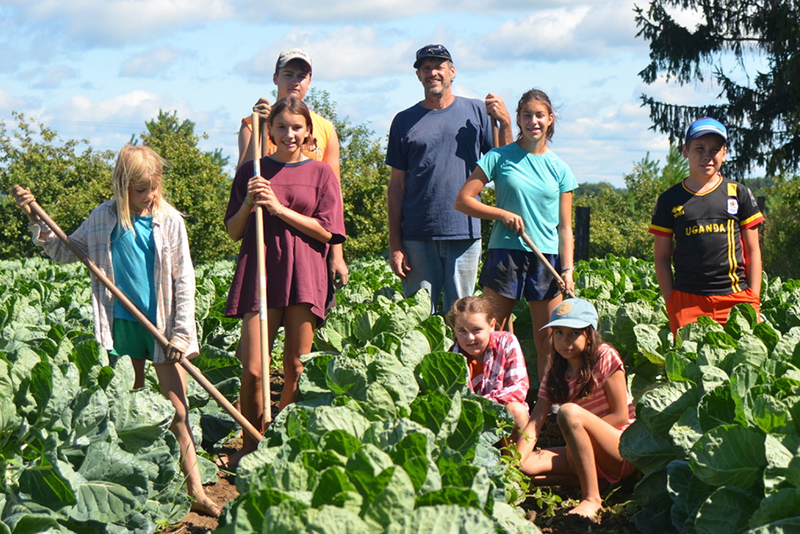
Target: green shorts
{"x": 133, "y": 340}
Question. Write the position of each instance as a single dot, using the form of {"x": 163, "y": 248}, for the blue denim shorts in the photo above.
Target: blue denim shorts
{"x": 519, "y": 274}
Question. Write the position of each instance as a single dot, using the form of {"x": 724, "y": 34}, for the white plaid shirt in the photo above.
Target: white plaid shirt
{"x": 174, "y": 273}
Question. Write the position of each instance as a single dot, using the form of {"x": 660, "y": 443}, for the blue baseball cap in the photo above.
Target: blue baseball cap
{"x": 704, "y": 126}
{"x": 573, "y": 313}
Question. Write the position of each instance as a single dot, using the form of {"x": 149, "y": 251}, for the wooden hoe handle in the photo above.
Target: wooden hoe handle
{"x": 159, "y": 337}
{"x": 261, "y": 260}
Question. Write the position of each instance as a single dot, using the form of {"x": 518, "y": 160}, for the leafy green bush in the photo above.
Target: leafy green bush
{"x": 781, "y": 231}
{"x": 68, "y": 179}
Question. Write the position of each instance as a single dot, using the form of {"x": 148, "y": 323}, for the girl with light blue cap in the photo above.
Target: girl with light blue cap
{"x": 586, "y": 377}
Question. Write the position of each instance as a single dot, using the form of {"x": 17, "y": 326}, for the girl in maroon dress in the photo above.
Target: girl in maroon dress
{"x": 303, "y": 218}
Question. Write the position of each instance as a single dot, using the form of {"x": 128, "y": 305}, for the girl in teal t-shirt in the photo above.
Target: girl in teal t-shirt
{"x": 534, "y": 194}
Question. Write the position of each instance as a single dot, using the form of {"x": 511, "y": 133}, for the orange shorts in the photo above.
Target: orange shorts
{"x": 684, "y": 308}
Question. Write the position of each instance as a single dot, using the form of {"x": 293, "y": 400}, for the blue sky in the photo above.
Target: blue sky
{"x": 98, "y": 70}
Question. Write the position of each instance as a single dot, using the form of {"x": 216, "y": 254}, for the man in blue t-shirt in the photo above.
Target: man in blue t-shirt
{"x": 433, "y": 148}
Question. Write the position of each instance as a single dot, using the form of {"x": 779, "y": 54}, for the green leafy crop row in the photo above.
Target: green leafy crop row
{"x": 717, "y": 434}
{"x": 386, "y": 437}
{"x": 80, "y": 451}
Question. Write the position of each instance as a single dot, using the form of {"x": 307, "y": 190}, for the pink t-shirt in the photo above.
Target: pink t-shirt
{"x": 608, "y": 363}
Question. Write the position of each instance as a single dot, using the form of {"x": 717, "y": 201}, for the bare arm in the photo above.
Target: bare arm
{"x": 307, "y": 225}
{"x": 530, "y": 434}
{"x": 662, "y": 253}
{"x": 244, "y": 144}
{"x": 617, "y": 395}
{"x": 259, "y": 192}
{"x": 261, "y": 107}
{"x": 396, "y": 192}
{"x": 237, "y": 224}
{"x": 496, "y": 109}
{"x": 466, "y": 202}
{"x": 339, "y": 272}
{"x": 752, "y": 251}
{"x": 331, "y": 155}
{"x": 566, "y": 244}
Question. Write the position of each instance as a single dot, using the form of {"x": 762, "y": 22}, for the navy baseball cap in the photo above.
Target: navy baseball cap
{"x": 573, "y": 313}
{"x": 436, "y": 51}
{"x": 704, "y": 126}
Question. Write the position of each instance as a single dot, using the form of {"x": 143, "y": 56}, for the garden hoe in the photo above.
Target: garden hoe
{"x": 159, "y": 337}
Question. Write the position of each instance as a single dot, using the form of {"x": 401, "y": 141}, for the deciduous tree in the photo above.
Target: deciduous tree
{"x": 620, "y": 218}
{"x": 68, "y": 178}
{"x": 364, "y": 180}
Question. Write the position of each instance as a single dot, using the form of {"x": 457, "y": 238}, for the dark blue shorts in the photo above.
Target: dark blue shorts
{"x": 132, "y": 339}
{"x": 518, "y": 274}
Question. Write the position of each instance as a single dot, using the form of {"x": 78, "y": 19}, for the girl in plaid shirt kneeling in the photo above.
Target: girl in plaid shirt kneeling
{"x": 497, "y": 368}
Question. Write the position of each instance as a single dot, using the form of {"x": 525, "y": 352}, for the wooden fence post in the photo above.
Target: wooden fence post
{"x": 582, "y": 233}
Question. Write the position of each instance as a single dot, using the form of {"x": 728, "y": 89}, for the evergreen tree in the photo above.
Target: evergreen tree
{"x": 763, "y": 111}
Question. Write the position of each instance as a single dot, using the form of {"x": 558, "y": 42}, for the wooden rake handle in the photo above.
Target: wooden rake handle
{"x": 150, "y": 327}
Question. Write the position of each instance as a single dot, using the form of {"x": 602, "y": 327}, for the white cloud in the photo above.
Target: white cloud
{"x": 380, "y": 10}
{"x": 115, "y": 22}
{"x": 9, "y": 102}
{"x": 53, "y": 76}
{"x": 574, "y": 32}
{"x": 135, "y": 105}
{"x": 347, "y": 52}
{"x": 151, "y": 62}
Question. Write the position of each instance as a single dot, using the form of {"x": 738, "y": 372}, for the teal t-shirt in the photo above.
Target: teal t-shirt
{"x": 133, "y": 257}
{"x": 530, "y": 186}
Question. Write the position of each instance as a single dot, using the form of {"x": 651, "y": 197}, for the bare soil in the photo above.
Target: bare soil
{"x": 614, "y": 519}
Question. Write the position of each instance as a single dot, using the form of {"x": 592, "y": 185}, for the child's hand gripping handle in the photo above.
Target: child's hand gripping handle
{"x": 550, "y": 268}
{"x": 24, "y": 198}
{"x": 28, "y": 203}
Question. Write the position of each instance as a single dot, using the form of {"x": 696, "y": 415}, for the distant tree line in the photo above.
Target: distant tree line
{"x": 70, "y": 178}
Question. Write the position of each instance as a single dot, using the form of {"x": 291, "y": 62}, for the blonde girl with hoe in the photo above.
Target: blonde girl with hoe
{"x": 534, "y": 195}
{"x": 304, "y": 218}
{"x": 139, "y": 241}
{"x": 587, "y": 379}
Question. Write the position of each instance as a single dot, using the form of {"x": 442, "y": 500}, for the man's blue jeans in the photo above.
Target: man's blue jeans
{"x": 448, "y": 265}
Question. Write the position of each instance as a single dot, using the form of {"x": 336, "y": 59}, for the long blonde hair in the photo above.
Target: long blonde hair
{"x": 137, "y": 165}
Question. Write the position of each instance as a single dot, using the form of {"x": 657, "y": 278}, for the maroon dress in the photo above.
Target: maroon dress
{"x": 297, "y": 265}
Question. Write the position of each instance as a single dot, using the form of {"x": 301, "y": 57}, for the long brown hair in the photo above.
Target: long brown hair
{"x": 557, "y": 385}
{"x": 469, "y": 305}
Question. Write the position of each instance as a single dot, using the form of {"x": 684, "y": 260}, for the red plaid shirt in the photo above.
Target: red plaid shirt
{"x": 504, "y": 377}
